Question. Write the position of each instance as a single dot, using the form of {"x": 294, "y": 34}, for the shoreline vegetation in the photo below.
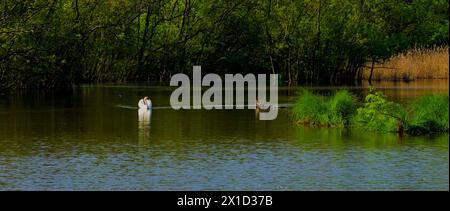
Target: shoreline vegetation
{"x": 426, "y": 115}
{"x": 62, "y": 43}
{"x": 414, "y": 64}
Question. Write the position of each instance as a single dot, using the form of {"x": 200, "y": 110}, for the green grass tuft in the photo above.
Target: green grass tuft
{"x": 429, "y": 114}
{"x": 314, "y": 110}
{"x": 310, "y": 109}
{"x": 342, "y": 106}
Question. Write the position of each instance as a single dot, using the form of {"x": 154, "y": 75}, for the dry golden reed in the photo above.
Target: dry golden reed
{"x": 415, "y": 64}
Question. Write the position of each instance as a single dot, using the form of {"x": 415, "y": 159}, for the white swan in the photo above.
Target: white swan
{"x": 145, "y": 103}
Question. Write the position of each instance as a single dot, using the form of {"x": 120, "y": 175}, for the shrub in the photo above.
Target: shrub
{"x": 379, "y": 114}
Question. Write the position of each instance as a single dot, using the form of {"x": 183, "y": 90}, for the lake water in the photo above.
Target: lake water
{"x": 92, "y": 139}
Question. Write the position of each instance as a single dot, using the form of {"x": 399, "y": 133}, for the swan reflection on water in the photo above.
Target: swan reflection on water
{"x": 144, "y": 120}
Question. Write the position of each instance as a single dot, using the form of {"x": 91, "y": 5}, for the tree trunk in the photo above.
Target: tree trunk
{"x": 317, "y": 59}
{"x": 371, "y": 71}
{"x": 77, "y": 11}
{"x": 271, "y": 63}
{"x": 144, "y": 41}
{"x": 289, "y": 66}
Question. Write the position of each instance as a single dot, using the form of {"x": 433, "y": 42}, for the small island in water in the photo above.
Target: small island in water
{"x": 363, "y": 86}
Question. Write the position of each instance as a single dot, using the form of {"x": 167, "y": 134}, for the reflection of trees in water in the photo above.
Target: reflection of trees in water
{"x": 349, "y": 138}
{"x": 144, "y": 120}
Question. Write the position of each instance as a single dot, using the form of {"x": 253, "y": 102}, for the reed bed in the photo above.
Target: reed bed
{"x": 431, "y": 63}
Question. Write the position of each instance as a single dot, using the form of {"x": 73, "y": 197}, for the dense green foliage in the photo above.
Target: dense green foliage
{"x": 428, "y": 114}
{"x": 52, "y": 43}
{"x": 315, "y": 110}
